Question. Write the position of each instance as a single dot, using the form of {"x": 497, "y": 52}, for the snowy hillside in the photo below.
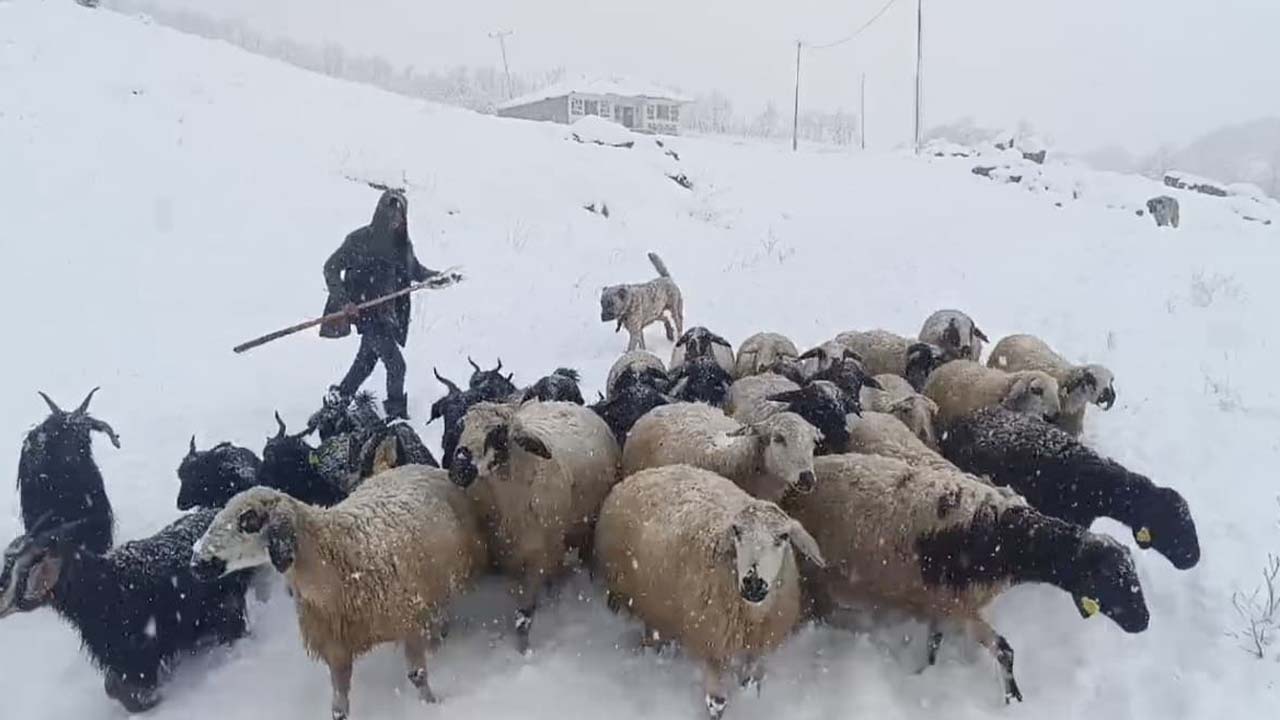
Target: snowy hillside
{"x": 166, "y": 197}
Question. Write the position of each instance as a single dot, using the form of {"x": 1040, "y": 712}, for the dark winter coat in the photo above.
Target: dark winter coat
{"x": 373, "y": 261}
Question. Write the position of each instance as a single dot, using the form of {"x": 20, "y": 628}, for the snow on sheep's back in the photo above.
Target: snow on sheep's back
{"x": 166, "y": 197}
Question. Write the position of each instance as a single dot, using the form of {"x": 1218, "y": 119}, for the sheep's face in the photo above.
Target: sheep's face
{"x": 211, "y": 477}
{"x": 1163, "y": 522}
{"x": 1035, "y": 394}
{"x": 787, "y": 444}
{"x": 848, "y": 374}
{"x": 613, "y": 303}
{"x": 1105, "y": 581}
{"x": 917, "y": 412}
{"x": 250, "y": 531}
{"x": 701, "y": 380}
{"x": 763, "y": 538}
{"x": 483, "y": 445}
{"x": 822, "y": 405}
{"x": 922, "y": 360}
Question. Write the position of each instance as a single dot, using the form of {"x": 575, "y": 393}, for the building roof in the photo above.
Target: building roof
{"x": 597, "y": 86}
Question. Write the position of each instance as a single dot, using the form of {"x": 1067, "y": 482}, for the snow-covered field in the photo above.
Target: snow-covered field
{"x": 165, "y": 197}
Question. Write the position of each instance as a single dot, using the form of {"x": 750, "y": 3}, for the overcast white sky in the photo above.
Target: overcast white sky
{"x": 1084, "y": 72}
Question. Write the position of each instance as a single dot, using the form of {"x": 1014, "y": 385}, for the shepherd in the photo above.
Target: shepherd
{"x": 374, "y": 261}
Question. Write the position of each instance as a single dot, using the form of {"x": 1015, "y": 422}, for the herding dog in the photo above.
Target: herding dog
{"x": 637, "y": 306}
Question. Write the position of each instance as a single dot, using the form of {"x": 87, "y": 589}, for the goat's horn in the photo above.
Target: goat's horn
{"x": 499, "y": 365}
{"x": 192, "y": 450}
{"x": 281, "y": 432}
{"x": 84, "y": 406}
{"x": 446, "y": 382}
{"x": 52, "y": 405}
{"x": 473, "y": 363}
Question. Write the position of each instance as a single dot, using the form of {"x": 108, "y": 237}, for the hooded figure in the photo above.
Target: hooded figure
{"x": 373, "y": 261}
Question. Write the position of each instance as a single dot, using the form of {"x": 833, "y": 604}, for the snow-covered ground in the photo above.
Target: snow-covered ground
{"x": 166, "y": 197}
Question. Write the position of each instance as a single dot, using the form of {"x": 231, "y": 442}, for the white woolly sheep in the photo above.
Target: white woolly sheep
{"x": 381, "y": 566}
{"x": 760, "y": 352}
{"x": 765, "y": 459}
{"x": 954, "y": 332}
{"x": 962, "y": 386}
{"x": 896, "y": 397}
{"x": 748, "y": 398}
{"x": 644, "y": 363}
{"x": 941, "y": 546}
{"x": 700, "y": 342}
{"x": 817, "y": 359}
{"x": 1078, "y": 385}
{"x": 538, "y": 474}
{"x": 703, "y": 563}
{"x": 877, "y": 433}
{"x": 885, "y": 353}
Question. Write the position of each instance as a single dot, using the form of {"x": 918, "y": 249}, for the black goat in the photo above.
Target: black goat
{"x": 1062, "y": 477}
{"x": 492, "y": 385}
{"x": 701, "y": 379}
{"x": 559, "y": 386}
{"x": 452, "y": 408}
{"x": 634, "y": 395}
{"x": 337, "y": 415}
{"x": 136, "y": 607}
{"x": 59, "y": 480}
{"x": 292, "y": 466}
{"x": 209, "y": 478}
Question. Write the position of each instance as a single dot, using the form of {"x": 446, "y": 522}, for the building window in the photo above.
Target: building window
{"x": 606, "y": 110}
{"x": 675, "y": 113}
{"x": 577, "y": 108}
{"x": 593, "y": 107}
{"x": 648, "y": 111}
{"x": 664, "y": 112}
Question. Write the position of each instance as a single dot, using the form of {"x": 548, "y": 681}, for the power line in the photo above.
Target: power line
{"x": 501, "y": 37}
{"x": 857, "y": 32}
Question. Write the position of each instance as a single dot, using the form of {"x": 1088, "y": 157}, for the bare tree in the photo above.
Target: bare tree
{"x": 1260, "y": 611}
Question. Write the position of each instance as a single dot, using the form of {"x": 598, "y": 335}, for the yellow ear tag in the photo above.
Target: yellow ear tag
{"x": 313, "y": 459}
{"x": 1090, "y": 606}
{"x": 1143, "y": 536}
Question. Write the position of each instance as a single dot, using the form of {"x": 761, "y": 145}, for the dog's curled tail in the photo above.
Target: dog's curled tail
{"x": 660, "y": 266}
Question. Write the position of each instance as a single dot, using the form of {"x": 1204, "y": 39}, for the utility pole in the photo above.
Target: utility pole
{"x": 501, "y": 37}
{"x": 795, "y": 115}
{"x": 862, "y": 112}
{"x": 919, "y": 61}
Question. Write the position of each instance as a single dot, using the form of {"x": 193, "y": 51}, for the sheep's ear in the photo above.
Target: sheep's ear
{"x": 853, "y": 355}
{"x": 871, "y": 382}
{"x": 282, "y": 543}
{"x": 804, "y": 543}
{"x": 744, "y": 431}
{"x": 532, "y": 445}
{"x": 385, "y": 455}
{"x": 42, "y": 578}
{"x": 817, "y": 352}
{"x": 717, "y": 340}
{"x": 497, "y": 441}
{"x": 789, "y": 396}
{"x": 1017, "y": 391}
{"x": 980, "y": 335}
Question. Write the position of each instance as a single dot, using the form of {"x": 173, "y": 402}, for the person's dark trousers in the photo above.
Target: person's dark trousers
{"x": 375, "y": 346}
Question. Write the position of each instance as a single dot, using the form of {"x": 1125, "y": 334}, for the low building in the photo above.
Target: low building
{"x": 645, "y": 109}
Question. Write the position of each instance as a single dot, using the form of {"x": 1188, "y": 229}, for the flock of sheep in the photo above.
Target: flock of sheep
{"x": 720, "y": 499}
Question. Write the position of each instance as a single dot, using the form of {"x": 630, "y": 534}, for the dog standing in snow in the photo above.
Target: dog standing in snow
{"x": 640, "y": 305}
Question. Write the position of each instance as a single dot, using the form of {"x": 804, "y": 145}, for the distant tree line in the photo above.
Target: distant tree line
{"x": 714, "y": 114}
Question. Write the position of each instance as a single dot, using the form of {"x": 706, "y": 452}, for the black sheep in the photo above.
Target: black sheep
{"x": 559, "y": 386}
{"x": 492, "y": 385}
{"x": 701, "y": 379}
{"x": 136, "y": 607}
{"x": 1061, "y": 477}
{"x": 58, "y": 478}
{"x": 825, "y": 406}
{"x": 209, "y": 478}
{"x": 922, "y": 360}
{"x": 634, "y": 395}
{"x": 848, "y": 374}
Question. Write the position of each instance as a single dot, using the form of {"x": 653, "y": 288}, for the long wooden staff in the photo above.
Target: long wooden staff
{"x": 443, "y": 280}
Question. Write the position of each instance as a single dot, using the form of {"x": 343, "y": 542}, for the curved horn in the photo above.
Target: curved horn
{"x": 102, "y": 427}
{"x": 473, "y": 363}
{"x": 281, "y": 432}
{"x": 447, "y": 383}
{"x": 192, "y": 448}
{"x": 499, "y": 365}
{"x": 84, "y": 406}
{"x": 52, "y": 405}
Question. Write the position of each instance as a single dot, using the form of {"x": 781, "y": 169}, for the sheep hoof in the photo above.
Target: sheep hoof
{"x": 1011, "y": 693}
